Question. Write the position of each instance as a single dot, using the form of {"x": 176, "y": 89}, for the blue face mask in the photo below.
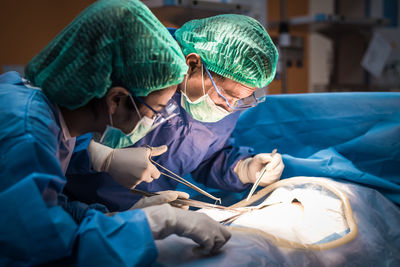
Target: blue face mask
{"x": 115, "y": 138}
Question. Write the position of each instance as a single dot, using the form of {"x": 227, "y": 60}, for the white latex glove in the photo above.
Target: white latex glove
{"x": 165, "y": 220}
{"x": 161, "y": 198}
{"x": 248, "y": 169}
{"x": 128, "y": 166}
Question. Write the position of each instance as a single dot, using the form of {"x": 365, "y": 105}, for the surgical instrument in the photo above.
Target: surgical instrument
{"x": 182, "y": 180}
{"x": 255, "y": 185}
{"x": 184, "y": 201}
{"x": 245, "y": 210}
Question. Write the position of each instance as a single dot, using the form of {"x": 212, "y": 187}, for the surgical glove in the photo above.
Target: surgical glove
{"x": 165, "y": 220}
{"x": 161, "y": 198}
{"x": 248, "y": 169}
{"x": 128, "y": 166}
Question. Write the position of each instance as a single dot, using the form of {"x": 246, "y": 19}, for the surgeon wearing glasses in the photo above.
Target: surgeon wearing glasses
{"x": 93, "y": 77}
{"x": 231, "y": 58}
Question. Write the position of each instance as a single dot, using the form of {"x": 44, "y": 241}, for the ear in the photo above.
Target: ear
{"x": 113, "y": 98}
{"x": 193, "y": 60}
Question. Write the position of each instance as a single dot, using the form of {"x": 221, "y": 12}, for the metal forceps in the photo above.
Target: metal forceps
{"x": 255, "y": 185}
{"x": 179, "y": 179}
{"x": 231, "y": 219}
{"x": 184, "y": 201}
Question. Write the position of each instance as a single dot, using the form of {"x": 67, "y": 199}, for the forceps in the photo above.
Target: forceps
{"x": 234, "y": 217}
{"x": 181, "y": 180}
{"x": 185, "y": 201}
{"x": 255, "y": 185}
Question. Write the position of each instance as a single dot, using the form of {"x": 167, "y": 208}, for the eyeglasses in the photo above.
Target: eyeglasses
{"x": 253, "y": 100}
{"x": 170, "y": 110}
{"x": 244, "y": 103}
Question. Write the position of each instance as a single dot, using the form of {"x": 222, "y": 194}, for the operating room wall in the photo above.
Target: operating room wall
{"x": 297, "y": 76}
{"x": 321, "y": 49}
{"x": 390, "y": 77}
{"x": 27, "y": 26}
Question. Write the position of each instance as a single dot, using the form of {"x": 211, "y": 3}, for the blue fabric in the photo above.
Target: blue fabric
{"x": 204, "y": 150}
{"x": 351, "y": 136}
{"x": 34, "y": 227}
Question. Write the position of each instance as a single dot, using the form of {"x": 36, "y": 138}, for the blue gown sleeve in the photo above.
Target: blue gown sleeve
{"x": 35, "y": 229}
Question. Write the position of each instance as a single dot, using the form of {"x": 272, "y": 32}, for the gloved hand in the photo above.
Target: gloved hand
{"x": 165, "y": 220}
{"x": 161, "y": 198}
{"x": 128, "y": 166}
{"x": 248, "y": 169}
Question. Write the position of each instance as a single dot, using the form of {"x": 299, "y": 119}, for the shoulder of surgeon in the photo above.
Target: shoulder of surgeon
{"x": 25, "y": 113}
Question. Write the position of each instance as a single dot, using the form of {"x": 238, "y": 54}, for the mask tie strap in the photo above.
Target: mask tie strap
{"x": 135, "y": 106}
{"x": 110, "y": 118}
{"x": 186, "y": 79}
{"x": 202, "y": 78}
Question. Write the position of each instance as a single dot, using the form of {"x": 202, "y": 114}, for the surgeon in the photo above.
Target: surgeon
{"x": 229, "y": 57}
{"x": 90, "y": 78}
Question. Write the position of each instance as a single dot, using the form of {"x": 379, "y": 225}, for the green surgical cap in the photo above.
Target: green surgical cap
{"x": 111, "y": 43}
{"x": 234, "y": 46}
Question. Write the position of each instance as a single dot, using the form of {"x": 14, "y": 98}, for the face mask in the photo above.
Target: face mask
{"x": 203, "y": 109}
{"x": 115, "y": 138}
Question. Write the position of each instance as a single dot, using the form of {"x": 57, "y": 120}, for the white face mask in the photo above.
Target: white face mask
{"x": 202, "y": 109}
{"x": 115, "y": 138}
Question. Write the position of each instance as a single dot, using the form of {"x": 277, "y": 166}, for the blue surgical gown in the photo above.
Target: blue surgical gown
{"x": 34, "y": 228}
{"x": 204, "y": 150}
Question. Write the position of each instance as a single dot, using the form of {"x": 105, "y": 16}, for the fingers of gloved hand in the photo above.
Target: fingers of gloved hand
{"x": 165, "y": 197}
{"x": 272, "y": 175}
{"x": 153, "y": 171}
{"x": 158, "y": 150}
{"x": 182, "y": 194}
{"x": 146, "y": 176}
{"x": 205, "y": 231}
{"x": 213, "y": 243}
{"x": 136, "y": 183}
{"x": 275, "y": 162}
{"x": 262, "y": 158}
{"x": 180, "y": 206}
{"x": 268, "y": 179}
{"x": 179, "y": 194}
{"x": 220, "y": 242}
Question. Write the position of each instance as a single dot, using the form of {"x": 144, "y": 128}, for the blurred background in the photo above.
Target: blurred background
{"x": 325, "y": 45}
